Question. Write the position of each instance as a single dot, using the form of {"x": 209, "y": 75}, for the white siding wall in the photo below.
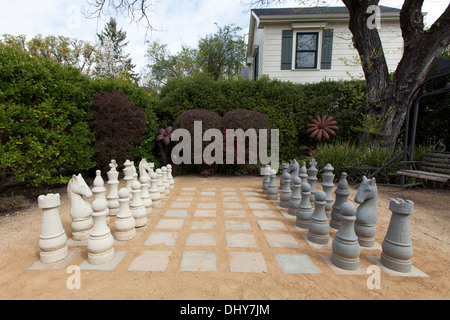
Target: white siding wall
{"x": 345, "y": 64}
{"x": 259, "y": 41}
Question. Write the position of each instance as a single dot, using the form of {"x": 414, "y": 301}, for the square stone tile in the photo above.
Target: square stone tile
{"x": 247, "y": 262}
{"x": 264, "y": 214}
{"x": 281, "y": 240}
{"x": 253, "y": 199}
{"x": 251, "y": 194}
{"x": 415, "y": 272}
{"x": 206, "y": 199}
{"x": 229, "y": 193}
{"x": 118, "y": 256}
{"x": 235, "y": 213}
{"x": 293, "y": 263}
{"x": 150, "y": 261}
{"x": 230, "y": 198}
{"x": 271, "y": 225}
{"x": 241, "y": 240}
{"x": 200, "y": 239}
{"x": 166, "y": 238}
{"x": 232, "y": 205}
{"x": 228, "y": 189}
{"x": 318, "y": 245}
{"x": 237, "y": 225}
{"x": 207, "y": 205}
{"x": 170, "y": 224}
{"x": 176, "y": 213}
{"x": 258, "y": 206}
{"x": 208, "y": 193}
{"x": 58, "y": 265}
{"x": 203, "y": 224}
{"x": 179, "y": 204}
{"x": 188, "y": 189}
{"x": 339, "y": 271}
{"x": 288, "y": 215}
{"x": 184, "y": 198}
{"x": 198, "y": 261}
{"x": 187, "y": 193}
{"x": 246, "y": 189}
{"x": 204, "y": 213}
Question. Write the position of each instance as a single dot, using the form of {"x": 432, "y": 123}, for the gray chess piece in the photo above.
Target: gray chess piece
{"x": 397, "y": 246}
{"x": 327, "y": 186}
{"x": 312, "y": 177}
{"x": 293, "y": 170}
{"x": 272, "y": 189}
{"x": 366, "y": 214}
{"x": 265, "y": 184}
{"x": 305, "y": 209}
{"x": 296, "y": 197}
{"x": 342, "y": 194}
{"x": 318, "y": 227}
{"x": 285, "y": 190}
{"x": 345, "y": 245}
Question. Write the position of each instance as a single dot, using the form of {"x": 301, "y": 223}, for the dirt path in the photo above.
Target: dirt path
{"x": 430, "y": 226}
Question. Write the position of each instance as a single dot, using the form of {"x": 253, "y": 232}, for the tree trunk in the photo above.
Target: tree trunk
{"x": 388, "y": 97}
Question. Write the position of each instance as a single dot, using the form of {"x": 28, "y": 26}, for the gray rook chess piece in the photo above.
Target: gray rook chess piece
{"x": 296, "y": 197}
{"x": 305, "y": 209}
{"x": 318, "y": 227}
{"x": 397, "y": 247}
{"x": 345, "y": 245}
{"x": 342, "y": 194}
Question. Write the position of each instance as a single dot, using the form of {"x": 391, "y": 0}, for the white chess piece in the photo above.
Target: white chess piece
{"x": 100, "y": 243}
{"x": 125, "y": 223}
{"x": 165, "y": 181}
{"x": 137, "y": 206}
{"x": 170, "y": 177}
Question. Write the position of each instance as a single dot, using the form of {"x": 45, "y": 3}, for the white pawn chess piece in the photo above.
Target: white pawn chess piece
{"x": 137, "y": 206}
{"x": 161, "y": 189}
{"x": 154, "y": 190}
{"x": 318, "y": 227}
{"x": 125, "y": 225}
{"x": 99, "y": 190}
{"x": 100, "y": 244}
{"x": 53, "y": 239}
{"x": 113, "y": 183}
{"x": 170, "y": 177}
{"x": 165, "y": 181}
{"x": 80, "y": 208}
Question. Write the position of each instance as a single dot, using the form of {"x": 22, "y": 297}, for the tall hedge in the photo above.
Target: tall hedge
{"x": 288, "y": 106}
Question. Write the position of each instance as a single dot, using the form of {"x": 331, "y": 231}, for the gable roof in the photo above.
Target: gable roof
{"x": 313, "y": 11}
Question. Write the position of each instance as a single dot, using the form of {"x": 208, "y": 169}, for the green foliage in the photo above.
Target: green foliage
{"x": 289, "y": 106}
{"x": 43, "y": 119}
{"x": 11, "y": 202}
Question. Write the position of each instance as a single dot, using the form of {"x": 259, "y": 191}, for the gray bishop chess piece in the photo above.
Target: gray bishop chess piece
{"x": 397, "y": 246}
{"x": 305, "y": 209}
{"x": 312, "y": 177}
{"x": 345, "y": 245}
{"x": 296, "y": 197}
{"x": 285, "y": 192}
{"x": 342, "y": 194}
{"x": 327, "y": 186}
{"x": 318, "y": 227}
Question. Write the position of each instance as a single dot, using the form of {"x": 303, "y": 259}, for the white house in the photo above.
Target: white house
{"x": 313, "y": 44}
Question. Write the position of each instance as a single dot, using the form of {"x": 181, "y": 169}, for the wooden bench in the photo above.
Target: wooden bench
{"x": 435, "y": 166}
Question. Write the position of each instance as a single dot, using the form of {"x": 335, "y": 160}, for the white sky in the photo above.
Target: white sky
{"x": 180, "y": 21}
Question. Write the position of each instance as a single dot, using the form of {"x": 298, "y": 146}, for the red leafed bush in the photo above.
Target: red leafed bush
{"x": 118, "y": 125}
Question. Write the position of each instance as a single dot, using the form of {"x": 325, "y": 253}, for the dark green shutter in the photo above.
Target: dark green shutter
{"x": 327, "y": 49}
{"x": 286, "y": 50}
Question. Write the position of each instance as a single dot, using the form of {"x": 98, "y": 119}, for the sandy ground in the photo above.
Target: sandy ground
{"x": 430, "y": 225}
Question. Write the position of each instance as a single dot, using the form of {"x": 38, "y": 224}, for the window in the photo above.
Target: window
{"x": 256, "y": 65}
{"x": 306, "y": 50}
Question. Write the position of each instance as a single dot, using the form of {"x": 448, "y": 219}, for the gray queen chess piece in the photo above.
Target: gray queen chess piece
{"x": 397, "y": 246}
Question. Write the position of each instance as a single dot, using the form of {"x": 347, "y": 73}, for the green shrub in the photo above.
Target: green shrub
{"x": 44, "y": 111}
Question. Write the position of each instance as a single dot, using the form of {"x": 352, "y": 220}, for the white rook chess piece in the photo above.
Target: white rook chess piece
{"x": 113, "y": 183}
{"x": 137, "y": 206}
{"x": 161, "y": 189}
{"x": 397, "y": 246}
{"x": 295, "y": 199}
{"x": 100, "y": 243}
{"x": 154, "y": 190}
{"x": 345, "y": 245}
{"x": 170, "y": 177}
{"x": 305, "y": 209}
{"x": 327, "y": 186}
{"x": 125, "y": 225}
{"x": 272, "y": 189}
{"x": 318, "y": 227}
{"x": 312, "y": 177}
{"x": 165, "y": 181}
{"x": 53, "y": 239}
{"x": 99, "y": 191}
{"x": 342, "y": 194}
{"x": 80, "y": 208}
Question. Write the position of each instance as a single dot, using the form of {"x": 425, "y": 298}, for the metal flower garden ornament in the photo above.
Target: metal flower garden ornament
{"x": 322, "y": 127}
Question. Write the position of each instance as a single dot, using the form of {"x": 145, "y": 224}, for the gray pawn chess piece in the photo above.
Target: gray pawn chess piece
{"x": 397, "y": 247}
{"x": 345, "y": 245}
{"x": 327, "y": 187}
{"x": 305, "y": 209}
{"x": 318, "y": 227}
{"x": 265, "y": 184}
{"x": 312, "y": 177}
{"x": 342, "y": 194}
{"x": 366, "y": 214}
{"x": 284, "y": 169}
{"x": 285, "y": 191}
{"x": 296, "y": 197}
{"x": 272, "y": 189}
